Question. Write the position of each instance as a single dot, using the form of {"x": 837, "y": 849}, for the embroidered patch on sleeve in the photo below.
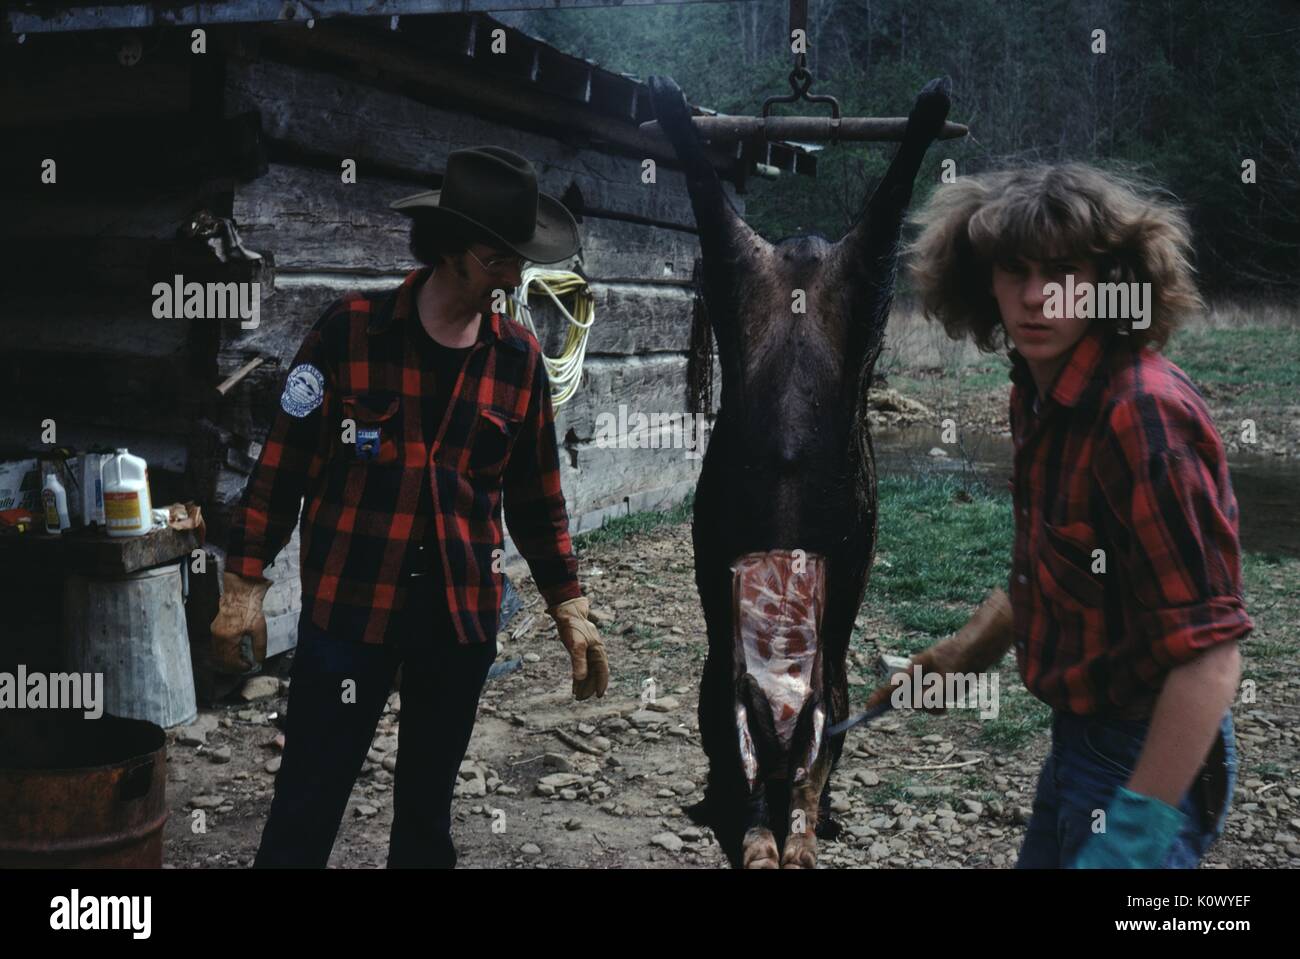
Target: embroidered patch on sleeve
{"x": 304, "y": 391}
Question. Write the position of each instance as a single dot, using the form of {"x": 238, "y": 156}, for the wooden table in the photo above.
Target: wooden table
{"x": 92, "y": 552}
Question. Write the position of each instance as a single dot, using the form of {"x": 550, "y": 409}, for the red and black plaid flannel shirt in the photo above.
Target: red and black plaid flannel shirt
{"x": 1121, "y": 457}
{"x": 359, "y": 363}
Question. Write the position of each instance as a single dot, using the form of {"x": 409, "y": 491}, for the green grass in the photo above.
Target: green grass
{"x": 1263, "y": 360}
{"x": 617, "y": 530}
{"x": 972, "y": 781}
{"x": 944, "y": 542}
{"x": 890, "y": 791}
{"x": 985, "y": 377}
{"x": 1272, "y": 586}
{"x": 1021, "y": 718}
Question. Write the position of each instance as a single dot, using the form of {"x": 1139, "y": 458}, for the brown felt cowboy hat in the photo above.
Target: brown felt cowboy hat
{"x": 495, "y": 189}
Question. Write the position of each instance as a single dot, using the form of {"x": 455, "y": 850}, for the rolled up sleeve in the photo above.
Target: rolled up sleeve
{"x": 1163, "y": 472}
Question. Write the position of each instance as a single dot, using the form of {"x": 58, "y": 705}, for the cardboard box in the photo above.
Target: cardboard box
{"x": 20, "y": 486}
{"x": 84, "y": 481}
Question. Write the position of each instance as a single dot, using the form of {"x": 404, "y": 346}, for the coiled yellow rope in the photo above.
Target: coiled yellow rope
{"x": 565, "y": 370}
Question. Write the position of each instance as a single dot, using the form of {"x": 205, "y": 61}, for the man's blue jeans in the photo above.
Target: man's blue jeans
{"x": 329, "y": 731}
{"x": 1090, "y": 759}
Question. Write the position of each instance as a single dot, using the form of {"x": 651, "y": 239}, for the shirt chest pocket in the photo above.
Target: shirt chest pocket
{"x": 375, "y": 422}
{"x": 490, "y": 440}
{"x": 1067, "y": 559}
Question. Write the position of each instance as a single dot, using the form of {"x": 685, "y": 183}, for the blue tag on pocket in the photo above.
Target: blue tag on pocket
{"x": 367, "y": 442}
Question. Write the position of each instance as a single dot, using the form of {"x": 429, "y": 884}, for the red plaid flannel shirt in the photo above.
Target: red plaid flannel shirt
{"x": 498, "y": 435}
{"x": 1123, "y": 457}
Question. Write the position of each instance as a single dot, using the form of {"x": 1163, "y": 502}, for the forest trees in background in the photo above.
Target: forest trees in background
{"x": 1185, "y": 91}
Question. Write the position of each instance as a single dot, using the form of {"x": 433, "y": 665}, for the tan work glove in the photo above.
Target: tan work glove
{"x": 579, "y": 636}
{"x": 239, "y": 616}
{"x": 975, "y": 647}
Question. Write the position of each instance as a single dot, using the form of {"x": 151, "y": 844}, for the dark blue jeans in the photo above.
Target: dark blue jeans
{"x": 1091, "y": 758}
{"x": 329, "y": 731}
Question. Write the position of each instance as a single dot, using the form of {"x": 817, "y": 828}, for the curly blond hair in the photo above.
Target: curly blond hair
{"x": 1042, "y": 212}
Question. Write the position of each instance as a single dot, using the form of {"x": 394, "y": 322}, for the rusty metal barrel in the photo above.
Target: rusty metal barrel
{"x": 78, "y": 792}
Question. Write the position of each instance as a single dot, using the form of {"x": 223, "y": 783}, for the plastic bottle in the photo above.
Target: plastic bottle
{"x": 92, "y": 488}
{"x": 128, "y": 510}
{"x": 55, "y": 500}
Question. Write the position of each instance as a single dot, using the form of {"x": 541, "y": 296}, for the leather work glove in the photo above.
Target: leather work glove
{"x": 1140, "y": 831}
{"x": 579, "y": 636}
{"x": 239, "y": 630}
{"x": 973, "y": 648}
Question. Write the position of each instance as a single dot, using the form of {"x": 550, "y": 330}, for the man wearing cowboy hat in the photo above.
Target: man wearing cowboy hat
{"x": 406, "y": 419}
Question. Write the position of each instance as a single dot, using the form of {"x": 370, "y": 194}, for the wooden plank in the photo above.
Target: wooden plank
{"x": 630, "y": 318}
{"x": 147, "y": 214}
{"x": 335, "y": 117}
{"x": 654, "y": 498}
{"x": 104, "y": 264}
{"x": 98, "y": 365}
{"x": 56, "y": 18}
{"x": 649, "y": 385}
{"x": 148, "y": 154}
{"x": 38, "y": 87}
{"x": 95, "y": 553}
{"x": 313, "y": 222}
{"x": 607, "y": 477}
{"x": 613, "y": 250}
{"x": 157, "y": 430}
{"x": 483, "y": 91}
{"x": 112, "y": 324}
{"x": 289, "y": 309}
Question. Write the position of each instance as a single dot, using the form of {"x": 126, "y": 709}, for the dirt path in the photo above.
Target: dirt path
{"x": 603, "y": 783}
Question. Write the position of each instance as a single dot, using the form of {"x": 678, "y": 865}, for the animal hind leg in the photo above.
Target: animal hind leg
{"x": 759, "y": 848}
{"x": 807, "y": 784}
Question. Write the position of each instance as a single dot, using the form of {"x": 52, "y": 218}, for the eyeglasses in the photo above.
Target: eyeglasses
{"x": 499, "y": 264}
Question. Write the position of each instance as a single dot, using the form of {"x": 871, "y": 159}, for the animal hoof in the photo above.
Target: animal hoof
{"x": 759, "y": 850}
{"x": 800, "y": 852}
{"x": 931, "y": 108}
{"x": 828, "y": 828}
{"x": 670, "y": 104}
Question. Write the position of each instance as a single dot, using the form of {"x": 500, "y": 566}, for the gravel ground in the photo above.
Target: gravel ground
{"x": 549, "y": 782}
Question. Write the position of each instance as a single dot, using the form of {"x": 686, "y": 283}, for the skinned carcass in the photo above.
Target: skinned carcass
{"x": 785, "y": 509}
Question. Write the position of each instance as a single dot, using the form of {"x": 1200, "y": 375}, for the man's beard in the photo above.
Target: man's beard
{"x": 483, "y": 303}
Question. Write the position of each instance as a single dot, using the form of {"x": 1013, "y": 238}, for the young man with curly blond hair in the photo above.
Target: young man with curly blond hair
{"x": 1125, "y": 585}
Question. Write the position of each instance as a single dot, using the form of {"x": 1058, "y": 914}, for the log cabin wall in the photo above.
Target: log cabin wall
{"x": 156, "y": 156}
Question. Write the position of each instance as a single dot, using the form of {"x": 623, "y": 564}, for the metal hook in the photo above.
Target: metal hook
{"x": 800, "y": 83}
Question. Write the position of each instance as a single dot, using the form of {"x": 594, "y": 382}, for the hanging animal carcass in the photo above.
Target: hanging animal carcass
{"x": 785, "y": 509}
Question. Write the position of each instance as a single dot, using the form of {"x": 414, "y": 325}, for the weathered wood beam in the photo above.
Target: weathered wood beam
{"x": 484, "y": 91}
{"x": 108, "y": 157}
{"x": 37, "y": 18}
{"x": 314, "y": 223}
{"x": 41, "y": 89}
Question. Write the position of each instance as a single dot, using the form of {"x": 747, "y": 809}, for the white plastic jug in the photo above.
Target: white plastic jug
{"x": 128, "y": 510}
